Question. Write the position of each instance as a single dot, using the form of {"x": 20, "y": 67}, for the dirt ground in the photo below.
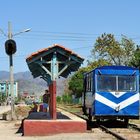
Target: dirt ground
{"x": 9, "y": 131}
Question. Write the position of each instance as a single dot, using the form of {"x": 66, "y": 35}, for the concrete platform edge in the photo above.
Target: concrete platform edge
{"x": 51, "y": 127}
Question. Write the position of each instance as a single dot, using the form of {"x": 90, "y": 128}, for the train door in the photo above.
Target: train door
{"x": 87, "y": 95}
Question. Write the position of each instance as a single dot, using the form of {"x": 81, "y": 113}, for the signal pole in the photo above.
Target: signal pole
{"x": 10, "y": 48}
{"x": 11, "y": 76}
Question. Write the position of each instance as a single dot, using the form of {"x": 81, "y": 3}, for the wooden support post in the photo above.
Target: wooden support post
{"x": 52, "y": 89}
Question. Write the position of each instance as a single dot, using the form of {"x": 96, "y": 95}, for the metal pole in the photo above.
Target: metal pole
{"x": 11, "y": 76}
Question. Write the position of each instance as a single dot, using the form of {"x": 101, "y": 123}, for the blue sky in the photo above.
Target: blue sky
{"x": 74, "y": 24}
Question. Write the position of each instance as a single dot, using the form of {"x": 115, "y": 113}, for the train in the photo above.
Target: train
{"x": 111, "y": 92}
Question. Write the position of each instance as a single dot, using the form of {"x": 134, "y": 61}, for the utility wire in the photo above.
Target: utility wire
{"x": 66, "y": 36}
{"x": 57, "y": 35}
{"x": 25, "y": 55}
{"x": 42, "y": 33}
{"x": 62, "y": 39}
{"x": 67, "y": 33}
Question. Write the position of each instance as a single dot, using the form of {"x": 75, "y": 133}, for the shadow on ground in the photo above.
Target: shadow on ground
{"x": 106, "y": 123}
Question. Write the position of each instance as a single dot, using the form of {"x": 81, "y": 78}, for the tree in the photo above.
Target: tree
{"x": 98, "y": 63}
{"x": 116, "y": 53}
{"x": 2, "y": 97}
{"x": 108, "y": 52}
{"x": 128, "y": 50}
{"x": 136, "y": 58}
{"x": 76, "y": 82}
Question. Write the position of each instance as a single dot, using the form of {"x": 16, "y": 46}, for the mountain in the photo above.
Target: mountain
{"x": 26, "y": 83}
{"x": 4, "y": 75}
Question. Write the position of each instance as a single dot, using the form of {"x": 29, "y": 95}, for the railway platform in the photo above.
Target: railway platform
{"x": 41, "y": 124}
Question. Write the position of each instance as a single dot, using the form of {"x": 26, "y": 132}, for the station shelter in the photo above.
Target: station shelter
{"x": 51, "y": 63}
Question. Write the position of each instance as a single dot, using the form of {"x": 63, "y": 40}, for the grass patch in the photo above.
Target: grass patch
{"x": 71, "y": 107}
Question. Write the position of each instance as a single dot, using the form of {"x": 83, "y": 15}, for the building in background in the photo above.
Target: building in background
{"x": 5, "y": 88}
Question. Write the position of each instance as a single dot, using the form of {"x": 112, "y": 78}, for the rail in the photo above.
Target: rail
{"x": 111, "y": 132}
{"x": 134, "y": 126}
{"x": 102, "y": 127}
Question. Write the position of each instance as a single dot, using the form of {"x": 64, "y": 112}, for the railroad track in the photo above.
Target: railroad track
{"x": 130, "y": 133}
{"x": 121, "y": 133}
{"x": 107, "y": 130}
{"x": 124, "y": 133}
{"x": 133, "y": 126}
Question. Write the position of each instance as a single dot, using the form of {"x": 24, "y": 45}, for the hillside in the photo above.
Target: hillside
{"x": 26, "y": 83}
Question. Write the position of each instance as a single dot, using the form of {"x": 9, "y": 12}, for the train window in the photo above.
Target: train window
{"x": 126, "y": 83}
{"x": 106, "y": 83}
{"x": 89, "y": 82}
{"x": 116, "y": 83}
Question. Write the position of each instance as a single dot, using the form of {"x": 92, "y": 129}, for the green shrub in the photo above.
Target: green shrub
{"x": 67, "y": 99}
{"x": 59, "y": 99}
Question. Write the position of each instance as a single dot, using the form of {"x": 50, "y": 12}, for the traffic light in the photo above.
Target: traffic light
{"x": 10, "y": 47}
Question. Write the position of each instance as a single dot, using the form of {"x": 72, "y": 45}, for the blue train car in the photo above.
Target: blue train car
{"x": 112, "y": 92}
